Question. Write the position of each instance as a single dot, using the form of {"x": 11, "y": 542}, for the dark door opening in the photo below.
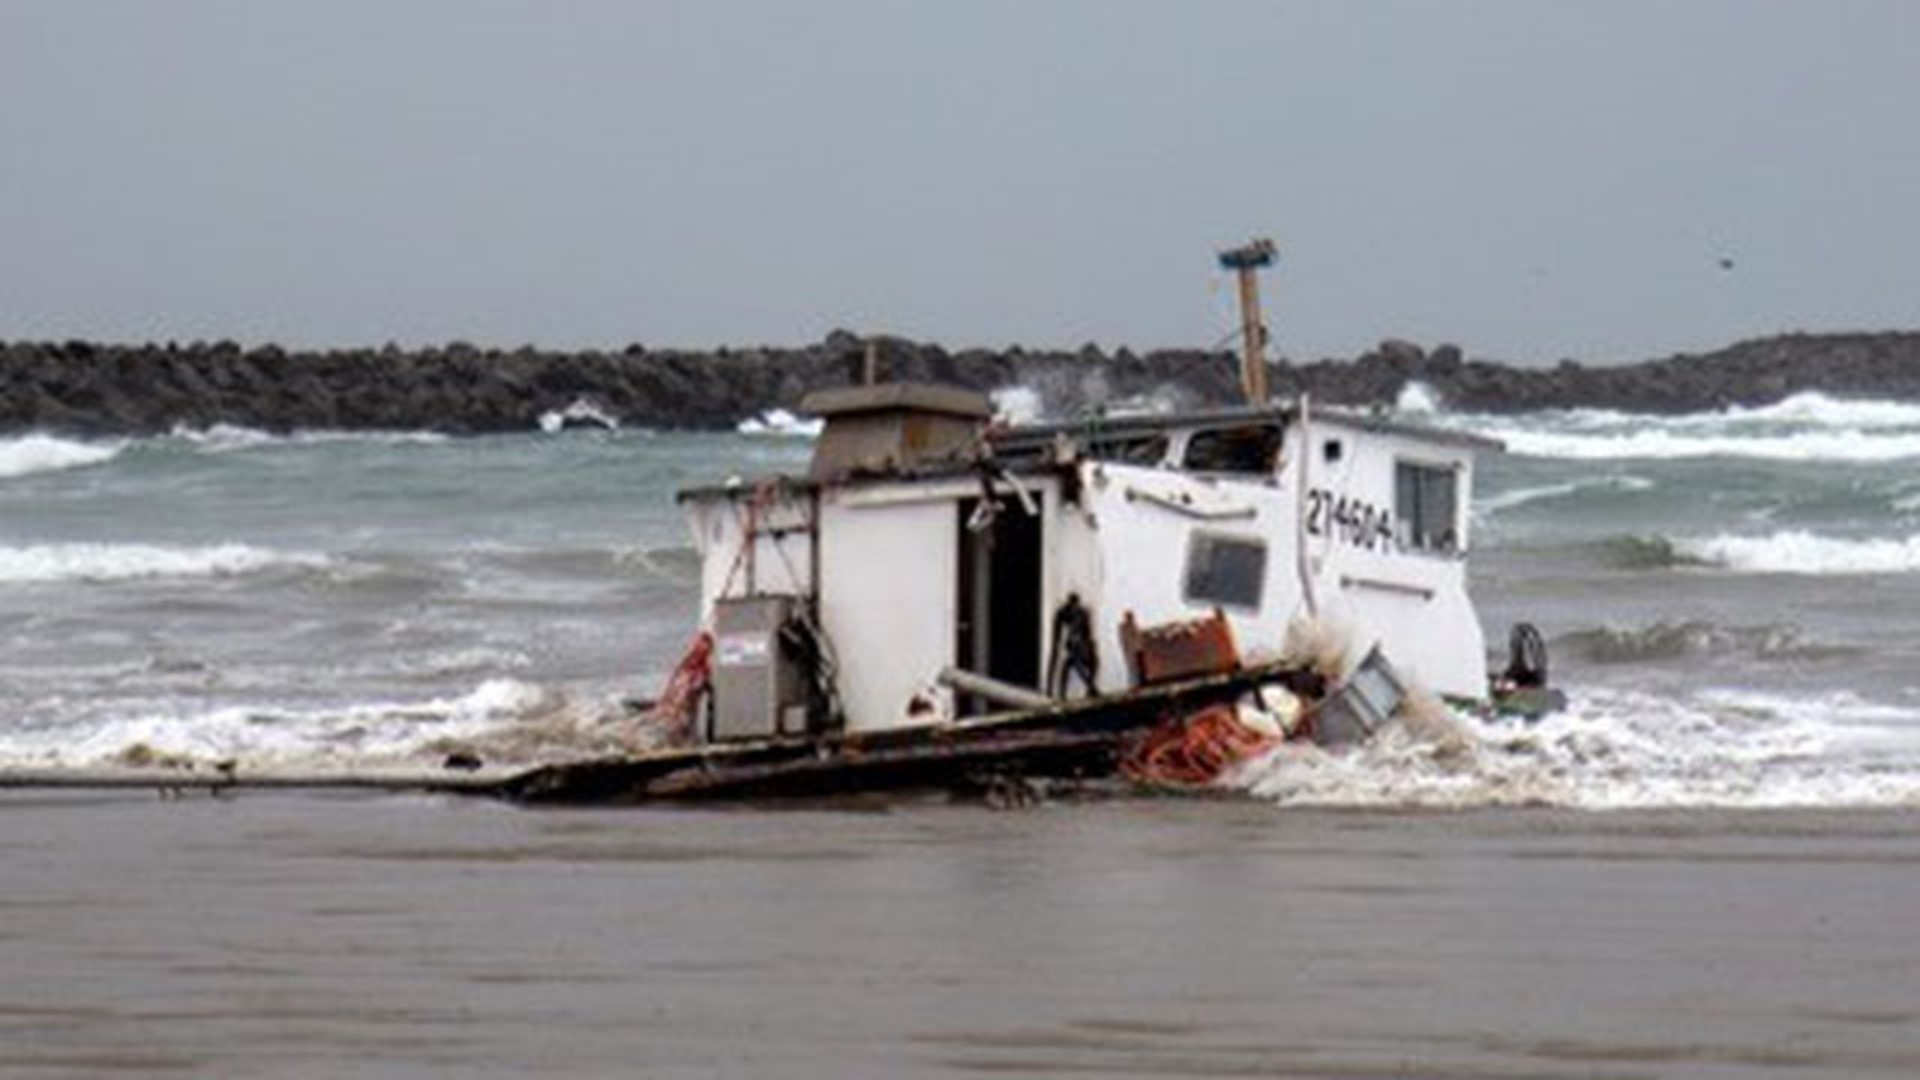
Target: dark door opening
{"x": 997, "y": 632}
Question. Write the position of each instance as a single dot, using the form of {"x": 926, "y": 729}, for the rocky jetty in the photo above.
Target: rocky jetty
{"x": 86, "y": 388}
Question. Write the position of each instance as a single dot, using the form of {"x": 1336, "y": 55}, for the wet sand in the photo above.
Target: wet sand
{"x": 296, "y": 936}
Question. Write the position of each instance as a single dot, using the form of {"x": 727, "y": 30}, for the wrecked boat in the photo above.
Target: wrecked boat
{"x": 942, "y": 601}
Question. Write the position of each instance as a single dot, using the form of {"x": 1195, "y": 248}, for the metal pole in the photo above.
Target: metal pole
{"x": 1247, "y": 261}
{"x": 1302, "y": 562}
{"x": 1253, "y": 359}
{"x": 1000, "y": 693}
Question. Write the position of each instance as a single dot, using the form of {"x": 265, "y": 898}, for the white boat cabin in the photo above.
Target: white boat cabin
{"x": 923, "y": 540}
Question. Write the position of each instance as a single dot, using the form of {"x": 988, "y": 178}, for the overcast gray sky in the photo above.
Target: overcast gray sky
{"x": 1531, "y": 180}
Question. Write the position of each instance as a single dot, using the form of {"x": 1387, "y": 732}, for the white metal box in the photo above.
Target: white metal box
{"x": 758, "y": 692}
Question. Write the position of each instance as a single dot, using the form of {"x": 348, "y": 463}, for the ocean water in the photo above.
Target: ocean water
{"x": 1729, "y": 599}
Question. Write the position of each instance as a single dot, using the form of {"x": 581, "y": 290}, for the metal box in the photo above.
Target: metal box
{"x": 758, "y": 692}
{"x": 1363, "y": 706}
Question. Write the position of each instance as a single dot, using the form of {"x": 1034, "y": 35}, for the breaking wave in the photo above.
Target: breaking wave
{"x": 1509, "y": 500}
{"x": 1848, "y": 446}
{"x": 95, "y": 562}
{"x": 780, "y": 423}
{"x": 504, "y": 720}
{"x": 1637, "y": 553}
{"x": 26, "y": 455}
{"x": 222, "y": 438}
{"x": 1018, "y": 405}
{"x": 1800, "y": 552}
{"x": 1794, "y": 551}
{"x": 582, "y": 413}
{"x": 1662, "y": 641}
{"x": 1805, "y": 427}
{"x": 1620, "y": 750}
{"x": 1417, "y": 399}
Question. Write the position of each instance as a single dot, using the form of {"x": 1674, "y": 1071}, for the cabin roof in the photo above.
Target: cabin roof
{"x": 1144, "y": 423}
{"x": 898, "y": 397}
{"x": 948, "y": 469}
{"x": 1033, "y": 435}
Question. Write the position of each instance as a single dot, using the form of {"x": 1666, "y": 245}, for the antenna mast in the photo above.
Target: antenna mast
{"x": 1247, "y": 261}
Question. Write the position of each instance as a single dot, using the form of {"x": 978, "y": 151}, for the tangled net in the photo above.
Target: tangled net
{"x": 1195, "y": 750}
{"x": 673, "y": 715}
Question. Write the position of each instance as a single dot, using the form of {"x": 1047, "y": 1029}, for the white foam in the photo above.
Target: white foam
{"x": 39, "y": 453}
{"x": 97, "y": 562}
{"x": 224, "y": 438}
{"x": 1417, "y": 399}
{"x": 1508, "y": 500}
{"x": 581, "y": 413}
{"x": 1797, "y": 551}
{"x": 1157, "y": 402}
{"x": 1805, "y": 427}
{"x": 780, "y": 423}
{"x": 1812, "y": 407}
{"x": 1622, "y": 749}
{"x": 1017, "y": 405}
{"x": 266, "y": 736}
{"x": 1845, "y": 446}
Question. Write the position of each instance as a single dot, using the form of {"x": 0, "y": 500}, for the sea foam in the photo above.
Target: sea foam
{"x": 1800, "y": 552}
{"x": 1417, "y": 399}
{"x": 1614, "y": 749}
{"x": 1805, "y": 427}
{"x": 1518, "y": 497}
{"x": 781, "y": 423}
{"x": 226, "y": 438}
{"x": 38, "y": 453}
{"x": 582, "y": 413}
{"x": 1018, "y": 404}
{"x": 504, "y": 719}
{"x": 99, "y": 562}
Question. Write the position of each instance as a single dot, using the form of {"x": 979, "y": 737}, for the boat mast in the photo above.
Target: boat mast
{"x": 1247, "y": 261}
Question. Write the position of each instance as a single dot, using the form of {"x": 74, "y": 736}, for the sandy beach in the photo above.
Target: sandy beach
{"x": 295, "y": 936}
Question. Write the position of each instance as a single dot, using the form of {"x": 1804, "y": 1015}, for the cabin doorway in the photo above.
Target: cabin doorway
{"x": 997, "y": 628}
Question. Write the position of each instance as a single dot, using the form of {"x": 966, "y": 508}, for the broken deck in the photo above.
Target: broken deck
{"x": 1080, "y": 739}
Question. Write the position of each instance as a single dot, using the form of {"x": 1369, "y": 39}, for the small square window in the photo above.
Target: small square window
{"x": 1427, "y": 507}
{"x": 1251, "y": 449}
{"x": 1225, "y": 570}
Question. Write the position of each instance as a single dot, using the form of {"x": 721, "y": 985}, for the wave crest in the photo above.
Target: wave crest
{"x": 504, "y": 720}
{"x": 95, "y": 562}
{"x": 781, "y": 424}
{"x": 1805, "y": 427}
{"x": 1620, "y": 750}
{"x": 39, "y": 453}
{"x": 1692, "y": 638}
{"x": 1798, "y": 551}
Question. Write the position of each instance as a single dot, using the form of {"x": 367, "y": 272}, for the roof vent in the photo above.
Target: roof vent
{"x": 893, "y": 427}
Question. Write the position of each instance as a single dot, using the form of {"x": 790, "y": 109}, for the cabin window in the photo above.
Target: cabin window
{"x": 1248, "y": 448}
{"x": 1427, "y": 507}
{"x": 1225, "y": 570}
{"x": 1130, "y": 450}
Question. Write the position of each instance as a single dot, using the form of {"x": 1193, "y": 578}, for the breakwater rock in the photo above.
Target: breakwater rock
{"x": 88, "y": 388}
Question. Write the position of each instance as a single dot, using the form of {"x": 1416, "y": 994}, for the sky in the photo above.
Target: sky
{"x": 1533, "y": 181}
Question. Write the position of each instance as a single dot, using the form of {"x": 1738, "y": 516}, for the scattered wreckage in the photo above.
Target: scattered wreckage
{"x": 940, "y": 602}
{"x": 943, "y": 602}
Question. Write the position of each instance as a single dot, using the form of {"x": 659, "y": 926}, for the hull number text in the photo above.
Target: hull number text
{"x": 1348, "y": 520}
